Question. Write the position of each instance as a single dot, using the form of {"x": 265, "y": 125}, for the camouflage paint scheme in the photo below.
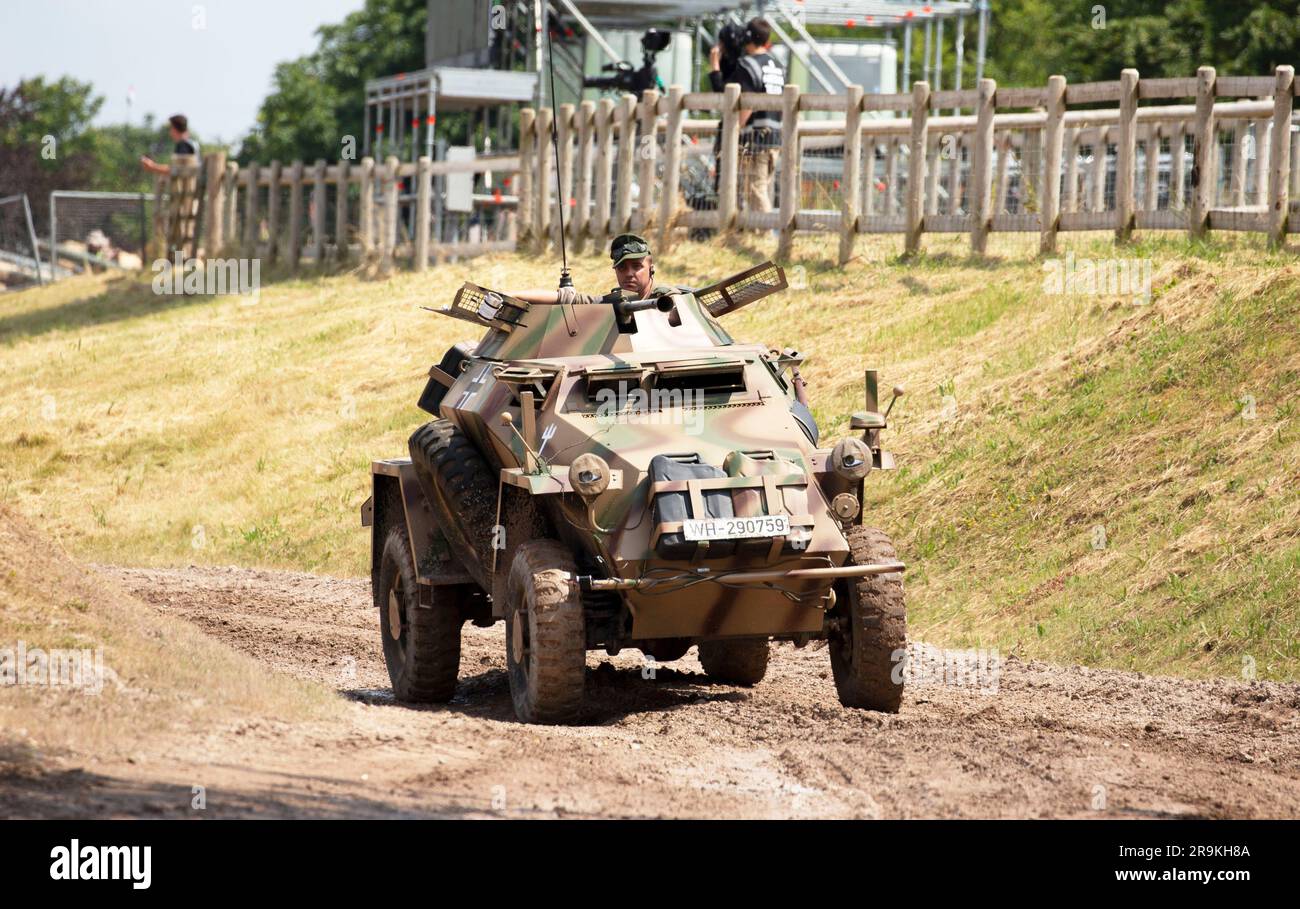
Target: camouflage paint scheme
{"x": 558, "y": 354}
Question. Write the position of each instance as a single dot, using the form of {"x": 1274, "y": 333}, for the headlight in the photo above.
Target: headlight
{"x": 589, "y": 475}
{"x": 851, "y": 458}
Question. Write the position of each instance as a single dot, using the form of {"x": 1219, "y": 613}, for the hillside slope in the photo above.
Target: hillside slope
{"x": 1079, "y": 477}
{"x": 89, "y": 669}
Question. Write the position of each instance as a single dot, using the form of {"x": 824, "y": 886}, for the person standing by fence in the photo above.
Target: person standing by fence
{"x": 179, "y": 129}
{"x": 760, "y": 131}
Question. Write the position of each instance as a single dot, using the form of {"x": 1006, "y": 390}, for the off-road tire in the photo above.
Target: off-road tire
{"x": 423, "y": 660}
{"x": 735, "y": 662}
{"x": 451, "y": 471}
{"x": 546, "y": 638}
{"x": 872, "y": 613}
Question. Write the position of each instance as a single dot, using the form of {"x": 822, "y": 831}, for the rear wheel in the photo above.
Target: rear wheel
{"x": 869, "y": 628}
{"x": 735, "y": 662}
{"x": 546, "y": 636}
{"x": 421, "y": 643}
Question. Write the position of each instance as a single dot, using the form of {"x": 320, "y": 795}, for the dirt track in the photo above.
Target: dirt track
{"x": 1052, "y": 741}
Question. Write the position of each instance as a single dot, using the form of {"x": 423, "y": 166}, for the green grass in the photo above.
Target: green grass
{"x": 157, "y": 430}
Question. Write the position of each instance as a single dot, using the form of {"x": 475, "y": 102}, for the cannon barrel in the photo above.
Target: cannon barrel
{"x": 624, "y": 308}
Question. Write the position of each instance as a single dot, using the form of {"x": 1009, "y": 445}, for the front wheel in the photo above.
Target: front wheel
{"x": 421, "y": 643}
{"x": 546, "y": 636}
{"x": 868, "y": 639}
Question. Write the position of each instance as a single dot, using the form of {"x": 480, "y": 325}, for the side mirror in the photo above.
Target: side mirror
{"x": 866, "y": 419}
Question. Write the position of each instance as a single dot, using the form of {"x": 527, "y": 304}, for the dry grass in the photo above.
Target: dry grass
{"x": 160, "y": 674}
{"x": 159, "y": 431}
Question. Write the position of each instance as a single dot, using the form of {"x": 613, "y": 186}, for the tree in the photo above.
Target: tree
{"x": 319, "y": 99}
{"x": 44, "y": 142}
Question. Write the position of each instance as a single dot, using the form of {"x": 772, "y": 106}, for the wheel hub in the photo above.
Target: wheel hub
{"x": 517, "y": 636}
{"x": 394, "y": 616}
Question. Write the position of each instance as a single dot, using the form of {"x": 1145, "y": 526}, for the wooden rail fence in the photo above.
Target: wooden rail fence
{"x": 1025, "y": 159}
{"x": 1063, "y": 157}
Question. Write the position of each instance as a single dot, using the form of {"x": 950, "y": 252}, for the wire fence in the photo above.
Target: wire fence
{"x": 96, "y": 231}
{"x": 20, "y": 258}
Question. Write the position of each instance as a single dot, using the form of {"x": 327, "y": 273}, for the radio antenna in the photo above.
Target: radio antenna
{"x": 565, "y": 280}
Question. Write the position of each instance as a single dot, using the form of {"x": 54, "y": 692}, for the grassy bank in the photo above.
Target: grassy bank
{"x": 1079, "y": 476}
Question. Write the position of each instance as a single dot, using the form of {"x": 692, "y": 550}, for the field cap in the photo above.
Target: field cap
{"x": 628, "y": 246}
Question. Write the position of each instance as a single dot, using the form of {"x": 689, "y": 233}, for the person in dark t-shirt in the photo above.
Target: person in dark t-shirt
{"x": 179, "y": 130}
{"x": 760, "y": 130}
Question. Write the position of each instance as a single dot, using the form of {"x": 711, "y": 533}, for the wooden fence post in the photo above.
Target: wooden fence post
{"x": 214, "y": 212}
{"x": 1263, "y": 144}
{"x": 183, "y": 206}
{"x": 728, "y": 171}
{"x": 1126, "y": 156}
{"x": 1204, "y": 152}
{"x": 1053, "y": 143}
{"x": 273, "y": 214}
{"x": 869, "y": 144}
{"x": 933, "y": 171}
{"x": 916, "y": 167}
{"x": 647, "y": 155}
{"x": 672, "y": 165}
{"x": 230, "y": 220}
{"x": 295, "y": 214}
{"x": 582, "y": 217}
{"x": 1000, "y": 182}
{"x": 982, "y": 166}
{"x": 545, "y": 179}
{"x": 1279, "y": 183}
{"x": 342, "y": 189}
{"x": 527, "y": 168}
{"x": 604, "y": 168}
{"x": 1151, "y": 184}
{"x": 423, "y": 208}
{"x": 392, "y": 181}
{"x": 1071, "y": 201}
{"x": 366, "y": 207}
{"x": 955, "y": 190}
{"x": 790, "y": 168}
{"x": 318, "y": 211}
{"x": 851, "y": 184}
{"x": 891, "y": 177}
{"x": 1239, "y": 137}
{"x": 1098, "y": 186}
{"x": 1295, "y": 166}
{"x": 626, "y": 162}
{"x": 1177, "y": 166}
{"x": 252, "y": 234}
{"x": 564, "y": 129}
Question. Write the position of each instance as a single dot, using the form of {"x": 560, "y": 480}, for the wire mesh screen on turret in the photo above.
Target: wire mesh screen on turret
{"x": 19, "y": 259}
{"x": 488, "y": 308}
{"x": 742, "y": 289}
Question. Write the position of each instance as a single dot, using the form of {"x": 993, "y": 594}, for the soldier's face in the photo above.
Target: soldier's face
{"x": 634, "y": 275}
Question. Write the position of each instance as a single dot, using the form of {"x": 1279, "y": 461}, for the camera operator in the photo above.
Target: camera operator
{"x": 725, "y": 54}
{"x": 760, "y": 131}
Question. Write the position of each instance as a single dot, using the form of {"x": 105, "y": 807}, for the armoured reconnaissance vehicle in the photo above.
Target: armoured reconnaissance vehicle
{"x": 627, "y": 475}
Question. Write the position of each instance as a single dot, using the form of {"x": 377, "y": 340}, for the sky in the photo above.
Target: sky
{"x": 210, "y": 60}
